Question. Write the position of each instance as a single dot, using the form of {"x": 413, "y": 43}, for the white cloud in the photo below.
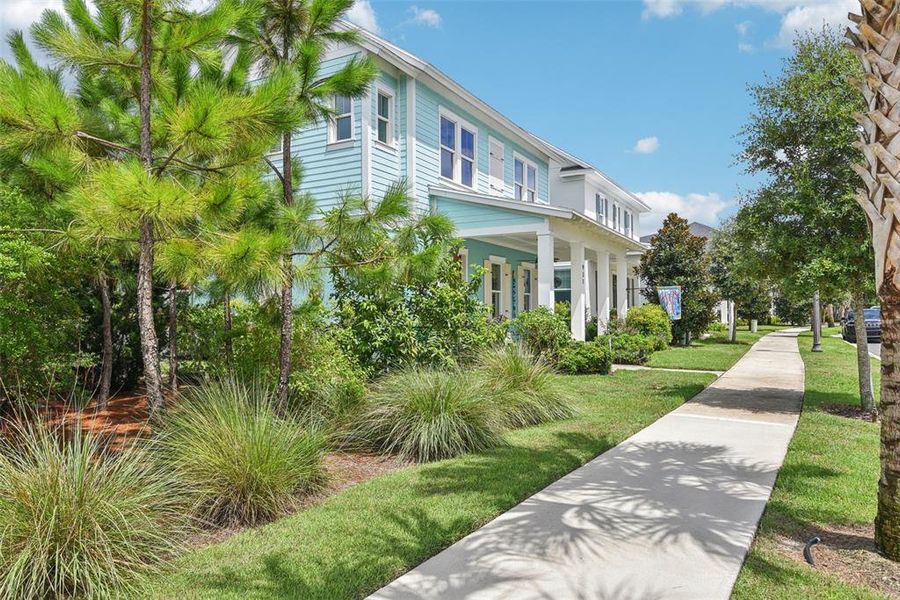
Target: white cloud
{"x": 425, "y": 16}
{"x": 796, "y": 15}
{"x": 812, "y": 16}
{"x": 661, "y": 9}
{"x": 362, "y": 14}
{"x": 745, "y": 48}
{"x": 704, "y": 208}
{"x": 743, "y": 28}
{"x": 647, "y": 145}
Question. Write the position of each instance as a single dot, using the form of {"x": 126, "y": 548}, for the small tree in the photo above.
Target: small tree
{"x": 677, "y": 257}
{"x": 733, "y": 276}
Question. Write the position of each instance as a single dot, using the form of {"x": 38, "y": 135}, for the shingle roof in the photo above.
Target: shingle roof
{"x": 698, "y": 229}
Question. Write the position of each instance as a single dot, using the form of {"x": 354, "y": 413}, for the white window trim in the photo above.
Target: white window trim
{"x": 494, "y": 191}
{"x": 537, "y": 178}
{"x": 605, "y": 201}
{"x": 391, "y": 144}
{"x": 520, "y": 288}
{"x": 464, "y": 263}
{"x": 333, "y": 142}
{"x": 457, "y": 152}
{"x": 505, "y": 284}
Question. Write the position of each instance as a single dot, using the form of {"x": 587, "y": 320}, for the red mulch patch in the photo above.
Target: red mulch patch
{"x": 850, "y": 412}
{"x": 847, "y": 553}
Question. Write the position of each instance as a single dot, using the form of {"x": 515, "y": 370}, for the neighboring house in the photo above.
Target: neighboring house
{"x": 542, "y": 223}
{"x": 706, "y": 232}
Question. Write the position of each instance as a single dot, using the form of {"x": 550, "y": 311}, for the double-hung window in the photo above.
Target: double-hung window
{"x": 628, "y": 223}
{"x": 342, "y": 123}
{"x": 602, "y": 207}
{"x": 616, "y": 217}
{"x": 526, "y": 289}
{"x": 385, "y": 118}
{"x": 525, "y": 180}
{"x": 457, "y": 151}
{"x": 496, "y": 290}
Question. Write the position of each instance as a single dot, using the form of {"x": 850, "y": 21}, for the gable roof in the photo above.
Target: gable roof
{"x": 696, "y": 228}
{"x": 420, "y": 69}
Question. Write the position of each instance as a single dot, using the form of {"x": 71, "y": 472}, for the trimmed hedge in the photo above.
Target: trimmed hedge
{"x": 629, "y": 348}
{"x": 650, "y": 320}
{"x": 582, "y": 358}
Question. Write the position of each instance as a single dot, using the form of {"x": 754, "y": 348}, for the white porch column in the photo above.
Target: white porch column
{"x": 602, "y": 290}
{"x": 577, "y": 305}
{"x": 622, "y": 284}
{"x": 590, "y": 288}
{"x": 545, "y": 270}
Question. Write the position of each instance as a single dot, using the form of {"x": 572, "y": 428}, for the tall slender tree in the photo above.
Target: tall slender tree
{"x": 156, "y": 161}
{"x": 295, "y": 34}
{"x": 877, "y": 39}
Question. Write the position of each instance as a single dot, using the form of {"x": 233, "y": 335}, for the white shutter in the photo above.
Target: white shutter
{"x": 506, "y": 290}
{"x": 520, "y": 289}
{"x": 496, "y": 167}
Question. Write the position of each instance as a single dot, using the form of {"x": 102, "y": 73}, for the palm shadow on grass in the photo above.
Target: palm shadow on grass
{"x": 422, "y": 518}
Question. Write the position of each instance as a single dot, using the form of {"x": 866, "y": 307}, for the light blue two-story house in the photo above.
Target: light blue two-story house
{"x": 545, "y": 225}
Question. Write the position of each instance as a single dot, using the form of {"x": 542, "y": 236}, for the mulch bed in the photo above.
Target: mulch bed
{"x": 847, "y": 553}
{"x": 849, "y": 411}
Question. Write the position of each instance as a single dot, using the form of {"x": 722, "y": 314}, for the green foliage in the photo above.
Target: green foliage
{"x": 793, "y": 312}
{"x": 628, "y": 348}
{"x": 240, "y": 461}
{"x": 524, "y": 387}
{"x": 735, "y": 274}
{"x": 677, "y": 257}
{"x": 426, "y": 415}
{"x": 650, "y": 320}
{"x": 431, "y": 317}
{"x": 542, "y": 332}
{"x": 583, "y": 358}
{"x": 78, "y": 520}
{"x": 803, "y": 229}
{"x": 717, "y": 327}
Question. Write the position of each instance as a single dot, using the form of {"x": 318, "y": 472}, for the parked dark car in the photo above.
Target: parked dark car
{"x": 872, "y": 318}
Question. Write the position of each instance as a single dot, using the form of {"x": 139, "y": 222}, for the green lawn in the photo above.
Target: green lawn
{"x": 828, "y": 478}
{"x": 715, "y": 353}
{"x": 364, "y": 537}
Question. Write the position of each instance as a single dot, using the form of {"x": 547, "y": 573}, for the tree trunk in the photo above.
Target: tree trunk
{"x": 229, "y": 346}
{"x": 107, "y": 355}
{"x": 863, "y": 363}
{"x": 149, "y": 341}
{"x": 173, "y": 337}
{"x": 732, "y": 322}
{"x": 829, "y": 314}
{"x": 287, "y": 288}
{"x": 887, "y": 521}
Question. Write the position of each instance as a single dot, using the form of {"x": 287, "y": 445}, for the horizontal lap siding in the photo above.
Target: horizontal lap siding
{"x": 466, "y": 215}
{"x": 385, "y": 161}
{"x": 328, "y": 174}
{"x": 428, "y": 105}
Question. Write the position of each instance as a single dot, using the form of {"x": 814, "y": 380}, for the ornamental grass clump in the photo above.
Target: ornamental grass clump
{"x": 524, "y": 387}
{"x": 79, "y": 520}
{"x": 425, "y": 415}
{"x": 241, "y": 461}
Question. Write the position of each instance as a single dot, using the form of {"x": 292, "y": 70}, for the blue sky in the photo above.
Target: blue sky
{"x": 652, "y": 92}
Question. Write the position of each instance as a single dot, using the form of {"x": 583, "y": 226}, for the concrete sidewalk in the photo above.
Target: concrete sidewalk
{"x": 668, "y": 513}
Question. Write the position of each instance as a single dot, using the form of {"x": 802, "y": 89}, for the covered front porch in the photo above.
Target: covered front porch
{"x": 529, "y": 253}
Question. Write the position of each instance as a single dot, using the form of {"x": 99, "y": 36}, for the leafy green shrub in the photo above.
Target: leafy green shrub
{"x": 717, "y": 327}
{"x": 581, "y": 358}
{"x": 77, "y": 520}
{"x": 652, "y": 321}
{"x": 427, "y": 414}
{"x": 628, "y": 348}
{"x": 524, "y": 387}
{"x": 541, "y": 332}
{"x": 433, "y": 319}
{"x": 241, "y": 462}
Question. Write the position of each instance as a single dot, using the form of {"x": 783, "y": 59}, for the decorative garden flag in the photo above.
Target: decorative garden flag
{"x": 670, "y": 298}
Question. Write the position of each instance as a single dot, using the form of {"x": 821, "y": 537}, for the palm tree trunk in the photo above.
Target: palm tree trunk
{"x": 287, "y": 288}
{"x": 229, "y": 321}
{"x": 173, "y": 337}
{"x": 107, "y": 354}
{"x": 887, "y": 521}
{"x": 149, "y": 341}
{"x": 863, "y": 363}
